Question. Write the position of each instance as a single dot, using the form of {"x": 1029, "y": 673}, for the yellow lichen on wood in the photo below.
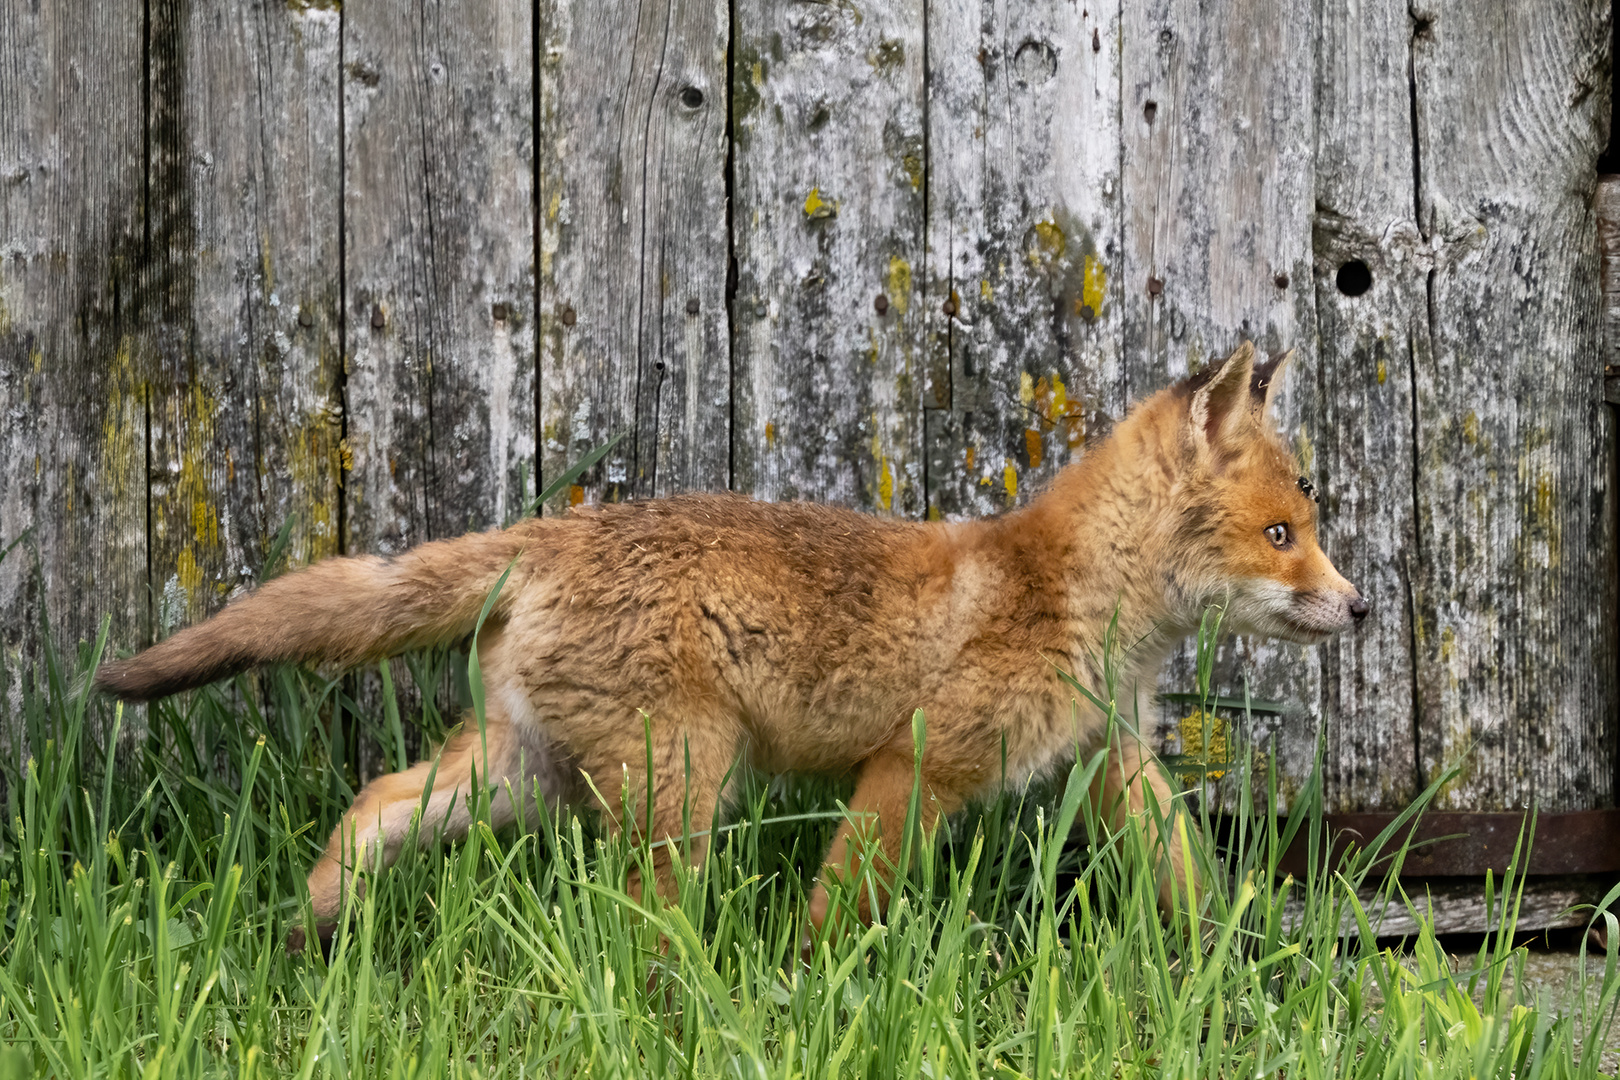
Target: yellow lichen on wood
{"x": 1032, "y": 447}
{"x": 1095, "y": 284}
{"x": 1009, "y": 480}
{"x": 1206, "y": 741}
{"x": 899, "y": 284}
{"x": 1026, "y": 388}
{"x": 816, "y": 208}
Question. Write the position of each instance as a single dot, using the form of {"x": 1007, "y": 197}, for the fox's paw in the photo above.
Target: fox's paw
{"x": 296, "y": 939}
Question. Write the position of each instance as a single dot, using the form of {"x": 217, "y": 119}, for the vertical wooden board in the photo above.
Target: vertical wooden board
{"x": 1515, "y": 604}
{"x": 1354, "y": 402}
{"x": 439, "y": 269}
{"x": 72, "y": 399}
{"x": 1024, "y": 240}
{"x": 246, "y": 182}
{"x": 828, "y": 215}
{"x": 1218, "y": 187}
{"x": 633, "y": 245}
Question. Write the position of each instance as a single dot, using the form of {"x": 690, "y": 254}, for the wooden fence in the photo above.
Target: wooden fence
{"x": 384, "y": 266}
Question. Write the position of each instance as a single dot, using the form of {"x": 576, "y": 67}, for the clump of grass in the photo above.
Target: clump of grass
{"x": 147, "y": 894}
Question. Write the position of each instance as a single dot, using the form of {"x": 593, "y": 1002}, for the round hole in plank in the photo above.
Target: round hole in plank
{"x": 1354, "y": 278}
{"x": 692, "y": 97}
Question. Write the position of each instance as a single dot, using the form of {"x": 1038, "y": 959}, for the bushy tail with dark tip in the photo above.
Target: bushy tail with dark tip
{"x": 342, "y": 611}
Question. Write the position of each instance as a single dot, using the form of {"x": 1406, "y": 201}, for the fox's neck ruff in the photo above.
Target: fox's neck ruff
{"x": 1112, "y": 518}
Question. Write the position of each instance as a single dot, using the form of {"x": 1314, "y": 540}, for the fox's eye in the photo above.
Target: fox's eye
{"x": 1278, "y": 535}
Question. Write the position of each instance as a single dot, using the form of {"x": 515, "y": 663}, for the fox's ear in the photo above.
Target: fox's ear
{"x": 1266, "y": 381}
{"x": 1220, "y": 411}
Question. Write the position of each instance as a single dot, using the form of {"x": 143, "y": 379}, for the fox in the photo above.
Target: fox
{"x": 645, "y": 649}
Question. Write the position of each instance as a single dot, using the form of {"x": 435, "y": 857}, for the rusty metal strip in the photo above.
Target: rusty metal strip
{"x": 1467, "y": 845}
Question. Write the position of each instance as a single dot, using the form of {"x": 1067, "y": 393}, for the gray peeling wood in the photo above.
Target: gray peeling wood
{"x": 1024, "y": 246}
{"x": 1354, "y": 401}
{"x": 633, "y": 248}
{"x": 439, "y": 214}
{"x": 74, "y": 363}
{"x": 246, "y": 418}
{"x": 1514, "y": 596}
{"x": 828, "y": 226}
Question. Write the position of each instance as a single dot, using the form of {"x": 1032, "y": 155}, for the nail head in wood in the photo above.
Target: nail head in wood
{"x": 569, "y": 316}
{"x": 692, "y": 306}
{"x": 1155, "y": 285}
{"x": 949, "y": 306}
{"x": 306, "y": 318}
{"x": 378, "y": 319}
{"x": 498, "y": 312}
{"x": 881, "y": 304}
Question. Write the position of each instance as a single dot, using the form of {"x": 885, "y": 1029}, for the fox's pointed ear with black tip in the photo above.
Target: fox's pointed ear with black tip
{"x": 1219, "y": 413}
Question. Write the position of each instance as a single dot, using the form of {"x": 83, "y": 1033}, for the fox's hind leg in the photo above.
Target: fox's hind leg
{"x": 504, "y": 757}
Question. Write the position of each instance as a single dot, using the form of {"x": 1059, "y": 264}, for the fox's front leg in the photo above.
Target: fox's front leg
{"x": 1132, "y": 784}
{"x": 876, "y": 823}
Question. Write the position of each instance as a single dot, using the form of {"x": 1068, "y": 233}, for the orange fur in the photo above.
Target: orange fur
{"x": 802, "y": 637}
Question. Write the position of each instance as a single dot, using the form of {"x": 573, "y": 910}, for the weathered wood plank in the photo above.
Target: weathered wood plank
{"x": 830, "y": 181}
{"x": 1515, "y": 601}
{"x": 73, "y": 364}
{"x": 439, "y": 268}
{"x": 246, "y": 176}
{"x": 1024, "y": 239}
{"x": 1606, "y": 207}
{"x": 634, "y": 251}
{"x": 1218, "y": 189}
{"x": 1354, "y": 401}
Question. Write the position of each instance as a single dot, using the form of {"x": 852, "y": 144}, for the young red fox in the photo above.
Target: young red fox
{"x": 800, "y": 637}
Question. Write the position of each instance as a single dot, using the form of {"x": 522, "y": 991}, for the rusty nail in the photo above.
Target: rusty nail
{"x": 378, "y": 319}
{"x": 305, "y": 317}
{"x": 1281, "y": 281}
{"x": 692, "y": 306}
{"x": 949, "y": 306}
{"x": 881, "y": 304}
{"x": 498, "y": 312}
{"x": 569, "y": 317}
{"x": 1155, "y": 285}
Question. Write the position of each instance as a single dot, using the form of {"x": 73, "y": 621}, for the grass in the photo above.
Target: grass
{"x": 148, "y": 878}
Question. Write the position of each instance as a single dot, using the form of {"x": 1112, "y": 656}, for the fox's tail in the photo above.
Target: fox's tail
{"x": 342, "y": 611}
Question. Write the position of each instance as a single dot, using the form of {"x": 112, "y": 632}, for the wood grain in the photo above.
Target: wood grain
{"x": 74, "y": 362}
{"x": 828, "y": 215}
{"x": 633, "y": 245}
{"x": 439, "y": 268}
{"x": 1515, "y": 600}
{"x": 1024, "y": 238}
{"x": 1353, "y": 410}
{"x": 246, "y": 418}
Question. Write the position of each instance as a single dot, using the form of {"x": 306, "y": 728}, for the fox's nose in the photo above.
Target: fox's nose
{"x": 1358, "y": 609}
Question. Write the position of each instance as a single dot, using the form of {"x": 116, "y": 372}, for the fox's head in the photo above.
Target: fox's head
{"x": 1246, "y": 517}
